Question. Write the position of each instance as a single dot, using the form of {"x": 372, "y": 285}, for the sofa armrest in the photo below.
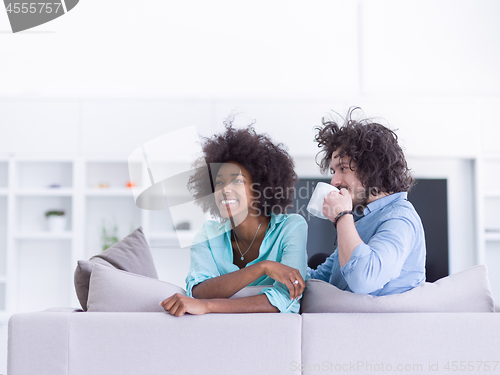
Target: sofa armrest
{"x": 38, "y": 340}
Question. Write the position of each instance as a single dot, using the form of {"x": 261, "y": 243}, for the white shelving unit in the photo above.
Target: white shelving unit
{"x": 107, "y": 201}
{"x": 488, "y": 217}
{"x": 4, "y": 199}
{"x": 67, "y": 235}
{"x": 36, "y": 265}
{"x": 36, "y": 256}
{"x": 490, "y": 199}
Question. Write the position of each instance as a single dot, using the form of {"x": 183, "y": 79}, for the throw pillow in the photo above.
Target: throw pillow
{"x": 112, "y": 290}
{"x": 131, "y": 254}
{"x": 466, "y": 291}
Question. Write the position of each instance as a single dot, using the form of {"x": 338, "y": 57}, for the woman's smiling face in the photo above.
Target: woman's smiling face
{"x": 233, "y": 194}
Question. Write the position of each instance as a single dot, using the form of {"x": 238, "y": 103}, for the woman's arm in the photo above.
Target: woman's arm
{"x": 179, "y": 305}
{"x": 205, "y": 281}
{"x": 293, "y": 233}
{"x": 225, "y": 286}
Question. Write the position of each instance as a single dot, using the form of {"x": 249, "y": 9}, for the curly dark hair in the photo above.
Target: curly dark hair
{"x": 374, "y": 148}
{"x": 270, "y": 165}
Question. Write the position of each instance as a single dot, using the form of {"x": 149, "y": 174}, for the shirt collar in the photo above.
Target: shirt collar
{"x": 385, "y": 201}
{"x": 276, "y": 219}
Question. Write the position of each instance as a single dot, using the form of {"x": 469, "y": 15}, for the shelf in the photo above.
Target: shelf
{"x": 3, "y": 192}
{"x": 491, "y": 157}
{"x": 54, "y": 158}
{"x": 44, "y": 236}
{"x": 45, "y": 192}
{"x": 114, "y": 174}
{"x": 40, "y": 175}
{"x": 109, "y": 192}
{"x": 3, "y": 279}
{"x": 492, "y": 236}
{"x": 171, "y": 235}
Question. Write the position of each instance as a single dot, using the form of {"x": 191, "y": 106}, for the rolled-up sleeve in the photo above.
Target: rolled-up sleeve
{"x": 374, "y": 264}
{"x": 203, "y": 266}
{"x": 294, "y": 242}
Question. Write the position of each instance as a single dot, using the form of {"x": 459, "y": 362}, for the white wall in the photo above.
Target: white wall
{"x": 194, "y": 47}
{"x": 257, "y": 48}
{"x": 444, "y": 47}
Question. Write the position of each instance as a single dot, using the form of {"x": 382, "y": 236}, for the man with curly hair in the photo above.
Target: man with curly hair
{"x": 383, "y": 252}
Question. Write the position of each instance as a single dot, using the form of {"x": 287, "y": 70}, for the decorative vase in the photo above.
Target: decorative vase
{"x": 56, "y": 223}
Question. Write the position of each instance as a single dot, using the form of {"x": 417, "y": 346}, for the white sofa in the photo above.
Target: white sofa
{"x": 434, "y": 328}
{"x": 71, "y": 342}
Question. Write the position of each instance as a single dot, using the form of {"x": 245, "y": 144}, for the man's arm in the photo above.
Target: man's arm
{"x": 323, "y": 271}
{"x": 374, "y": 264}
{"x": 348, "y": 237}
{"x": 367, "y": 267}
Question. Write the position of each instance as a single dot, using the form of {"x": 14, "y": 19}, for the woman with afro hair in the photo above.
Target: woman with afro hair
{"x": 249, "y": 186}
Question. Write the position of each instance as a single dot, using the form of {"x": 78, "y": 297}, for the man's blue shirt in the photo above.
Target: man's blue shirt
{"x": 391, "y": 259}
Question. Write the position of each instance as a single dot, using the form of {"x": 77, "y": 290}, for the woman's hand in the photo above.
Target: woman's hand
{"x": 179, "y": 304}
{"x": 336, "y": 202}
{"x": 286, "y": 275}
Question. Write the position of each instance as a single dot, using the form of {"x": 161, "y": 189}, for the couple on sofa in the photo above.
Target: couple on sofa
{"x": 381, "y": 244}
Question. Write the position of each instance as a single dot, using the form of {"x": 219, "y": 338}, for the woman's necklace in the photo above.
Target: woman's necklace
{"x": 254, "y": 237}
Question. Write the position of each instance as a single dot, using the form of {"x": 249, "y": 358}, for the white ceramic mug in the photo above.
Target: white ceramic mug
{"x": 315, "y": 206}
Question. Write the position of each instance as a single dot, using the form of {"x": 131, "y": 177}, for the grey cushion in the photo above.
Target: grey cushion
{"x": 112, "y": 290}
{"x": 82, "y": 278}
{"x": 131, "y": 254}
{"x": 466, "y": 291}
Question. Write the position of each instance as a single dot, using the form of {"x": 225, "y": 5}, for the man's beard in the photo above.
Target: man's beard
{"x": 360, "y": 200}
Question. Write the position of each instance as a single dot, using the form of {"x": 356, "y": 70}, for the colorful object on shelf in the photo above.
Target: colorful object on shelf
{"x": 101, "y": 186}
{"x": 130, "y": 184}
{"x": 54, "y": 186}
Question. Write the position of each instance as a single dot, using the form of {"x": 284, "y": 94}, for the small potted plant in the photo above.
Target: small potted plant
{"x": 109, "y": 236}
{"x": 56, "y": 220}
